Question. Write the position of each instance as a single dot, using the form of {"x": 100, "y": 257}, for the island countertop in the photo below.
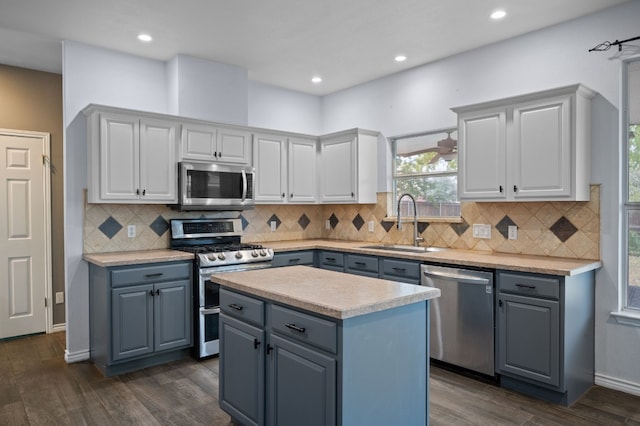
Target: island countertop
{"x": 333, "y": 294}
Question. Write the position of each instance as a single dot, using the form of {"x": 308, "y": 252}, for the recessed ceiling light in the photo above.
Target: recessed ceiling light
{"x": 316, "y": 80}
{"x": 145, "y": 37}
{"x": 400, "y": 58}
{"x": 498, "y": 14}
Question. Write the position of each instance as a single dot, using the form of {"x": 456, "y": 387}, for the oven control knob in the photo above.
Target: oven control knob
{"x": 212, "y": 257}
{"x": 238, "y": 255}
{"x": 254, "y": 253}
{"x": 263, "y": 252}
{"x": 221, "y": 256}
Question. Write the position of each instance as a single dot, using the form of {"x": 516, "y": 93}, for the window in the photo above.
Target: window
{"x": 631, "y": 127}
{"x": 426, "y": 166}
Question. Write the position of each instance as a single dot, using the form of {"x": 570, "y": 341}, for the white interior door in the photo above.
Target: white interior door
{"x": 24, "y": 231}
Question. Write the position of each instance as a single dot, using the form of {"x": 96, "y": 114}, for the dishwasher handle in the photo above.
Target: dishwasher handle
{"x": 460, "y": 277}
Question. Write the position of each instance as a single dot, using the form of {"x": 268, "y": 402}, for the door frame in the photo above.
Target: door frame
{"x": 46, "y": 177}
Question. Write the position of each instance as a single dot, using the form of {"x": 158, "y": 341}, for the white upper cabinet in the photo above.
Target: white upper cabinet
{"x": 131, "y": 158}
{"x": 348, "y": 167}
{"x": 211, "y": 143}
{"x": 285, "y": 169}
{"x": 528, "y": 148}
{"x": 303, "y": 176}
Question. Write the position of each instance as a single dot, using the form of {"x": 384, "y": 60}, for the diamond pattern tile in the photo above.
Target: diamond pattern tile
{"x": 563, "y": 229}
{"x": 333, "y": 221}
{"x": 304, "y": 221}
{"x": 503, "y": 226}
{"x": 460, "y": 228}
{"x": 244, "y": 221}
{"x": 159, "y": 226}
{"x": 358, "y": 221}
{"x": 275, "y": 219}
{"x": 387, "y": 225}
{"x": 422, "y": 226}
{"x": 110, "y": 227}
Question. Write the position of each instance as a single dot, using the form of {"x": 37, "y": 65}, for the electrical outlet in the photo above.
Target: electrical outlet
{"x": 59, "y": 297}
{"x": 513, "y": 232}
{"x": 327, "y": 224}
{"x": 131, "y": 231}
{"x": 371, "y": 226}
{"x": 481, "y": 230}
{"x": 273, "y": 226}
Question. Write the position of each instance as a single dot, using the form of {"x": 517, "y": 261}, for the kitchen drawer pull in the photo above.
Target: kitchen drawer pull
{"x": 151, "y": 293}
{"x": 515, "y": 188}
{"x": 360, "y": 263}
{"x": 395, "y": 268}
{"x": 236, "y": 307}
{"x": 295, "y": 328}
{"x": 158, "y": 292}
{"x": 159, "y": 274}
{"x": 256, "y": 343}
{"x": 531, "y": 287}
{"x": 501, "y": 189}
{"x": 331, "y": 259}
{"x": 294, "y": 260}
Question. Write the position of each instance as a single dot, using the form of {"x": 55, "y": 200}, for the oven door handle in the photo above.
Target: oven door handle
{"x": 209, "y": 311}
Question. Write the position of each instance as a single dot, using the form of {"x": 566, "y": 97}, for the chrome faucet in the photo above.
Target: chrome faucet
{"x": 416, "y": 239}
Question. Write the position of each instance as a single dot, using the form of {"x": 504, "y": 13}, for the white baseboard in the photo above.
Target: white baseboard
{"x": 618, "y": 384}
{"x": 76, "y": 356}
{"x": 58, "y": 327}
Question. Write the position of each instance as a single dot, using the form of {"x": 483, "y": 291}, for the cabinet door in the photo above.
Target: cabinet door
{"x": 198, "y": 142}
{"x": 337, "y": 169}
{"x": 302, "y": 385}
{"x": 270, "y": 160}
{"x": 132, "y": 321}
{"x": 241, "y": 371}
{"x": 302, "y": 170}
{"x": 234, "y": 146}
{"x": 481, "y": 155}
{"x": 119, "y": 157}
{"x": 172, "y": 315}
{"x": 158, "y": 164}
{"x": 541, "y": 154}
{"x": 529, "y": 338}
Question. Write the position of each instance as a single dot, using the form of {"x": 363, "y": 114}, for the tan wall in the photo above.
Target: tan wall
{"x": 32, "y": 100}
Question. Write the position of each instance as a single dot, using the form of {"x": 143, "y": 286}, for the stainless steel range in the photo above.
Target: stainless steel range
{"x": 217, "y": 248}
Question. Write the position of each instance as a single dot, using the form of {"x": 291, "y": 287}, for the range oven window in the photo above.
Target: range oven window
{"x": 211, "y": 294}
{"x": 211, "y": 327}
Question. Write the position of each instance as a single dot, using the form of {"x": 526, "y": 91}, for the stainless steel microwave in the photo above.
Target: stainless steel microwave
{"x": 212, "y": 186}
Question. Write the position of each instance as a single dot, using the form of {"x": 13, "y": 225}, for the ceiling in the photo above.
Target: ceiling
{"x": 279, "y": 42}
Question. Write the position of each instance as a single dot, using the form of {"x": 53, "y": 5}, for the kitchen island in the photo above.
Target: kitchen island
{"x": 301, "y": 345}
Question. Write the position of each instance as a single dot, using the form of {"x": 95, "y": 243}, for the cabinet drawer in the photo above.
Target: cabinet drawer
{"x": 305, "y": 328}
{"x": 401, "y": 270}
{"x": 529, "y": 285}
{"x": 150, "y": 274}
{"x": 242, "y": 307}
{"x": 293, "y": 258}
{"x": 357, "y": 263}
{"x": 330, "y": 258}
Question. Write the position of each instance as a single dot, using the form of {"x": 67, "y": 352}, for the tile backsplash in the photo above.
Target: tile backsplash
{"x": 565, "y": 229}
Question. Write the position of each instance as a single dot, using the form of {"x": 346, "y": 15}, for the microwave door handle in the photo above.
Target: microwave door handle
{"x": 244, "y": 185}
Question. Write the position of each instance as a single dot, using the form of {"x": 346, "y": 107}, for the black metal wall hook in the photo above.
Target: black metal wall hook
{"x": 606, "y": 45}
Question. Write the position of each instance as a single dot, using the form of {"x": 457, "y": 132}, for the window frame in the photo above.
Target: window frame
{"x": 393, "y": 213}
{"x": 626, "y": 314}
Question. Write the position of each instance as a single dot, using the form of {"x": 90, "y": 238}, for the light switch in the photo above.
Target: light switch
{"x": 273, "y": 226}
{"x": 371, "y": 226}
{"x": 481, "y": 230}
{"x": 131, "y": 231}
{"x": 513, "y": 232}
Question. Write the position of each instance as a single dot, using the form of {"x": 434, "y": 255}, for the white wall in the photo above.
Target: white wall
{"x": 280, "y": 109}
{"x": 419, "y": 100}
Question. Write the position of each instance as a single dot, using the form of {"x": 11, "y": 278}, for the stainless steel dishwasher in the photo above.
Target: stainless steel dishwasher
{"x": 462, "y": 318}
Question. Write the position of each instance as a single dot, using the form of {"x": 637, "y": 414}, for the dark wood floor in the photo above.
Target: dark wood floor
{"x": 37, "y": 387}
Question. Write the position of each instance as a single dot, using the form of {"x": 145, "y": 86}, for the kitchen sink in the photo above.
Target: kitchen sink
{"x": 411, "y": 249}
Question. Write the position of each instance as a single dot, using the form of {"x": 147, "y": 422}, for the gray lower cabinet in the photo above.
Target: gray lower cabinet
{"x": 405, "y": 271}
{"x": 286, "y": 367}
{"x": 545, "y": 334}
{"x": 140, "y": 315}
{"x": 331, "y": 260}
{"x": 302, "y": 257}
